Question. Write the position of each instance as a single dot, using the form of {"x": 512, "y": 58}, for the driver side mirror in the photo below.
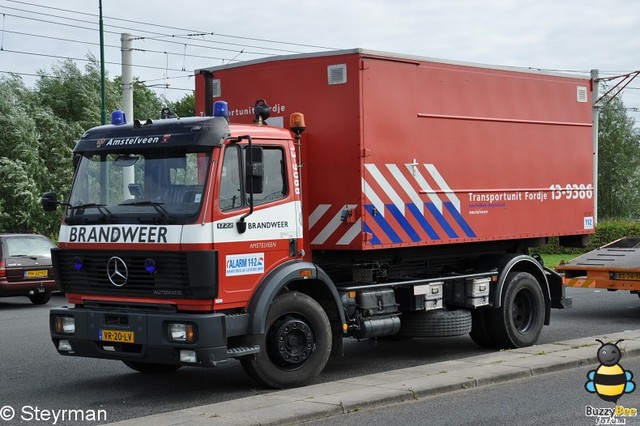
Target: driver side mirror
{"x": 49, "y": 201}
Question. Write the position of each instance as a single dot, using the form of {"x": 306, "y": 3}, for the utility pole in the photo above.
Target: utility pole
{"x": 127, "y": 75}
{"x": 103, "y": 90}
{"x": 128, "y": 175}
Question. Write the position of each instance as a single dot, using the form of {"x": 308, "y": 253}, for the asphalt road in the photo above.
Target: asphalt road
{"x": 32, "y": 374}
{"x": 557, "y": 398}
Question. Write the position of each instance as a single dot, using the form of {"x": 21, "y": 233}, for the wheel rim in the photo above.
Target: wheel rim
{"x": 290, "y": 342}
{"x": 523, "y": 312}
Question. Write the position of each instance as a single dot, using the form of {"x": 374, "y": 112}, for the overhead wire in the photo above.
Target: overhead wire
{"x": 164, "y": 38}
{"x": 179, "y": 28}
{"x": 193, "y": 33}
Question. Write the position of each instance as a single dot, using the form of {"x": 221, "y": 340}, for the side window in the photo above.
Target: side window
{"x": 230, "y": 183}
{"x": 274, "y": 181}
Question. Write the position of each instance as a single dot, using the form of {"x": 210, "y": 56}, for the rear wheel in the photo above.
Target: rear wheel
{"x": 518, "y": 322}
{"x": 296, "y": 345}
{"x": 148, "y": 368}
{"x": 40, "y": 298}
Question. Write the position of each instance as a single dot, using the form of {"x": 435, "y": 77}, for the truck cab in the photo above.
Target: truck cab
{"x": 167, "y": 224}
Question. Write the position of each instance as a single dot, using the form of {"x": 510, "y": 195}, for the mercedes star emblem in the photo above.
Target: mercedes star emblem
{"x": 117, "y": 271}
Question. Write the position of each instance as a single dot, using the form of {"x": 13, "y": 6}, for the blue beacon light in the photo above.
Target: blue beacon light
{"x": 118, "y": 118}
{"x": 221, "y": 109}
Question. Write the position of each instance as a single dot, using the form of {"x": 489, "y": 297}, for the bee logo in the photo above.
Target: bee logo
{"x": 610, "y": 381}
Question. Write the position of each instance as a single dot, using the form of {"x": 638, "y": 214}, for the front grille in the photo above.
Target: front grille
{"x": 170, "y": 280}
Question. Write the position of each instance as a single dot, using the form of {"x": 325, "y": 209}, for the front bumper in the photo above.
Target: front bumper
{"x": 151, "y": 343}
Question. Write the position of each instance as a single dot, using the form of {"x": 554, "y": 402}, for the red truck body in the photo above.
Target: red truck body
{"x": 426, "y": 152}
{"x": 406, "y": 207}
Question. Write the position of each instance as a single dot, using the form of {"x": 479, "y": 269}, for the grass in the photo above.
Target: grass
{"x": 553, "y": 260}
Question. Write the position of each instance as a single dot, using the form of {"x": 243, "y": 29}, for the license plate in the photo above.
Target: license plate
{"x": 37, "y": 273}
{"x": 627, "y": 276}
{"x": 117, "y": 336}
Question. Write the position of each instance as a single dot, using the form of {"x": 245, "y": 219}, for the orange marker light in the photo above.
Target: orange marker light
{"x": 297, "y": 122}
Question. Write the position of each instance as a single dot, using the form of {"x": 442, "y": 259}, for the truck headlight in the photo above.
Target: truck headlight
{"x": 65, "y": 325}
{"x": 181, "y": 333}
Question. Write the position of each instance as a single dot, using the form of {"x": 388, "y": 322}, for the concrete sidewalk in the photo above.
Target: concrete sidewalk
{"x": 334, "y": 398}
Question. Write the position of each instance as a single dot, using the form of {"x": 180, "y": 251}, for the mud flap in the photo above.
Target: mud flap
{"x": 557, "y": 290}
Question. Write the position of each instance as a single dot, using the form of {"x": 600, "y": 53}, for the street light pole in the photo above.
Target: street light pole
{"x": 103, "y": 90}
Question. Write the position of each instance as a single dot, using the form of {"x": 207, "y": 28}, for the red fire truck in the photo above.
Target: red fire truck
{"x": 403, "y": 202}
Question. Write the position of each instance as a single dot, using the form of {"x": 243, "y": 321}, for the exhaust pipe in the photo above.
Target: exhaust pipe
{"x": 208, "y": 92}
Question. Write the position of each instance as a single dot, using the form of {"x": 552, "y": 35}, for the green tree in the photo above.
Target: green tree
{"x": 618, "y": 162}
{"x": 41, "y": 126}
{"x": 34, "y": 146}
{"x": 184, "y": 107}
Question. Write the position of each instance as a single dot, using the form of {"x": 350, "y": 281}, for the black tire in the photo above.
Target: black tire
{"x": 438, "y": 323}
{"x": 296, "y": 345}
{"x": 40, "y": 298}
{"x": 148, "y": 368}
{"x": 518, "y": 322}
{"x": 480, "y": 332}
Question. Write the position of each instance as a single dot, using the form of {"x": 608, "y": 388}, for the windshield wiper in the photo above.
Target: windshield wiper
{"x": 28, "y": 256}
{"x": 75, "y": 219}
{"x": 165, "y": 217}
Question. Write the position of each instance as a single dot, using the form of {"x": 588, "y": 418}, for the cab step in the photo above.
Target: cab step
{"x": 242, "y": 351}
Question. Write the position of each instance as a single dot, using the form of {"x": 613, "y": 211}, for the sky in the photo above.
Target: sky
{"x": 172, "y": 38}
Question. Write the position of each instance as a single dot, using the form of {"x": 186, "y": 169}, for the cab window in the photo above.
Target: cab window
{"x": 230, "y": 182}
{"x": 232, "y": 193}
{"x": 274, "y": 182}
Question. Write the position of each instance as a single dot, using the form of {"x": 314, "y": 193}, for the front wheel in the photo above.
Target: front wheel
{"x": 518, "y": 322}
{"x": 296, "y": 345}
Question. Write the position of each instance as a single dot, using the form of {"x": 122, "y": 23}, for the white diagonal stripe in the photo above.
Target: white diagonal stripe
{"x": 353, "y": 232}
{"x": 408, "y": 188}
{"x": 331, "y": 227}
{"x": 373, "y": 197}
{"x": 317, "y": 214}
{"x": 443, "y": 185}
{"x": 386, "y": 187}
{"x": 424, "y": 185}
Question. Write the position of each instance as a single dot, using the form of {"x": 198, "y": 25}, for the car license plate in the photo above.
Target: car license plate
{"x": 37, "y": 273}
{"x": 117, "y": 336}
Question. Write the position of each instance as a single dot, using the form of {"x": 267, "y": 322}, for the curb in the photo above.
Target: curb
{"x": 313, "y": 402}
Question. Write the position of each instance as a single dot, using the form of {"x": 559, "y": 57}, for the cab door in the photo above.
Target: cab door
{"x": 252, "y": 241}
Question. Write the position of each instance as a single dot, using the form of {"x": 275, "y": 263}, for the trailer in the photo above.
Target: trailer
{"x": 317, "y": 197}
{"x": 615, "y": 266}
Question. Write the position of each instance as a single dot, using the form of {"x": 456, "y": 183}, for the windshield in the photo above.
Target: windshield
{"x": 161, "y": 187}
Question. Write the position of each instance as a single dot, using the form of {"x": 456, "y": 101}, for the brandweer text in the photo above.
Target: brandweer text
{"x": 125, "y": 234}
